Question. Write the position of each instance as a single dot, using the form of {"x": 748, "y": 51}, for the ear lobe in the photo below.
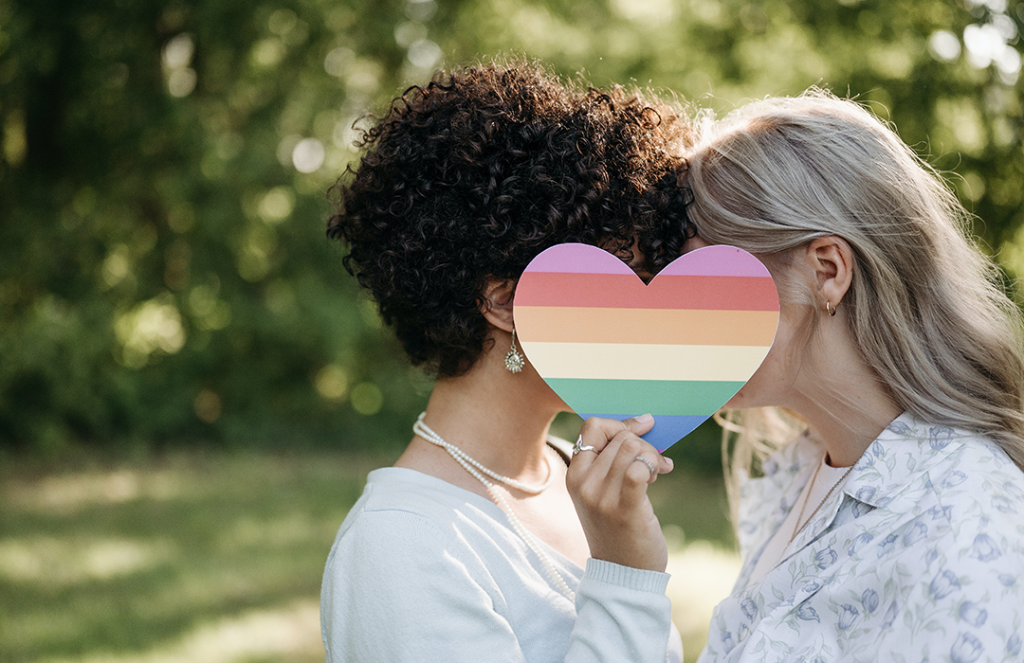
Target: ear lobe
{"x": 496, "y": 302}
{"x": 831, "y": 259}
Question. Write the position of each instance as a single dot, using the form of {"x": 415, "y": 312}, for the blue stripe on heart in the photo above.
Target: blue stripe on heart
{"x": 668, "y": 429}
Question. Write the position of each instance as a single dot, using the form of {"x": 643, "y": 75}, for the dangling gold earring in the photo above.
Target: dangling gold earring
{"x": 830, "y": 309}
{"x": 514, "y": 360}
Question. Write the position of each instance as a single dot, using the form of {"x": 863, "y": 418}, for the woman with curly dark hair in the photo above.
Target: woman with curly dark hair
{"x": 469, "y": 548}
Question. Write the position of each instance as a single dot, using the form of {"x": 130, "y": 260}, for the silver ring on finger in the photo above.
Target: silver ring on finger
{"x": 646, "y": 462}
{"x": 579, "y": 446}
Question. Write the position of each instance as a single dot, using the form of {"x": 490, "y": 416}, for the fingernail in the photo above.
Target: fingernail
{"x": 644, "y": 419}
{"x": 671, "y": 464}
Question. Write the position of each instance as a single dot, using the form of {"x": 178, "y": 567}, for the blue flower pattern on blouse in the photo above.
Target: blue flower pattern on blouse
{"x": 920, "y": 557}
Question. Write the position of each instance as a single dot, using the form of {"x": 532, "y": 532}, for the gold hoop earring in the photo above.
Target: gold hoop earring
{"x": 831, "y": 310}
{"x": 514, "y": 360}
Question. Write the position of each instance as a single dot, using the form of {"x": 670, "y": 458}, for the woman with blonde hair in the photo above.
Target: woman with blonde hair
{"x": 892, "y": 527}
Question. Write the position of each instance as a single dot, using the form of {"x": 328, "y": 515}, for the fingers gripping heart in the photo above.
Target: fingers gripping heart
{"x": 608, "y": 480}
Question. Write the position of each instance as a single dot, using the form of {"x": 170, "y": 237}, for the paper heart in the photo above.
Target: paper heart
{"x": 679, "y": 348}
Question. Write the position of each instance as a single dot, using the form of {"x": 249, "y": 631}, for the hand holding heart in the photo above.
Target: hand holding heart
{"x": 612, "y": 346}
{"x": 608, "y": 485}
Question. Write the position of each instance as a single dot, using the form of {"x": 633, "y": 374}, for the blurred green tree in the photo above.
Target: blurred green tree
{"x": 163, "y": 271}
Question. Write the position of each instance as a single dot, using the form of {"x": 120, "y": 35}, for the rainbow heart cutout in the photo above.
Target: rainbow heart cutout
{"x": 679, "y": 347}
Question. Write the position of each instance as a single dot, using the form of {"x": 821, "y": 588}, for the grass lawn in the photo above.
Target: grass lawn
{"x": 217, "y": 557}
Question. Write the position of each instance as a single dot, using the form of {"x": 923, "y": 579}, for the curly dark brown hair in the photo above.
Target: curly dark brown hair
{"x": 474, "y": 174}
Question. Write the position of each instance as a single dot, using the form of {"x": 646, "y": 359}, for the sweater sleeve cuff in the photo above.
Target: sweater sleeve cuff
{"x": 628, "y": 577}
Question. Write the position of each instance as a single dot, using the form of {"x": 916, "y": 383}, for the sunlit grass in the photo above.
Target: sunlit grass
{"x": 702, "y": 575}
{"x": 218, "y": 557}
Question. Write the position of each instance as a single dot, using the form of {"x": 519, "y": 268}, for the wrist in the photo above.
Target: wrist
{"x": 629, "y": 577}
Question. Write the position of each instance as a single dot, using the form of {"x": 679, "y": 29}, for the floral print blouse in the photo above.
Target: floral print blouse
{"x": 920, "y": 558}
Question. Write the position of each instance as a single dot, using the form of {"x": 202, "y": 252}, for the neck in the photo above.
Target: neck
{"x": 498, "y": 418}
{"x": 845, "y": 403}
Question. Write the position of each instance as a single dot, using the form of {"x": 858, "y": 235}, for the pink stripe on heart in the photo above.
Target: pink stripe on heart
{"x": 577, "y": 259}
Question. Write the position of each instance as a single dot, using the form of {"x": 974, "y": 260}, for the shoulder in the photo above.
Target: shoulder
{"x": 401, "y": 507}
{"x": 950, "y": 509}
{"x": 982, "y": 491}
{"x": 969, "y": 486}
{"x": 397, "y": 489}
{"x": 978, "y": 478}
{"x": 956, "y": 585}
{"x": 412, "y": 530}
{"x": 980, "y": 497}
{"x": 967, "y": 473}
{"x": 408, "y": 573}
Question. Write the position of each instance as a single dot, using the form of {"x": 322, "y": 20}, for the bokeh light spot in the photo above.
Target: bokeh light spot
{"x": 148, "y": 327}
{"x": 181, "y": 82}
{"x": 178, "y": 51}
{"x": 207, "y": 406}
{"x": 645, "y": 11}
{"x": 308, "y": 155}
{"x": 998, "y": 6}
{"x": 268, "y": 52}
{"x": 424, "y": 54}
{"x": 973, "y": 186}
{"x": 338, "y": 61}
{"x": 409, "y": 32}
{"x": 282, "y": 21}
{"x": 254, "y": 255}
{"x": 961, "y": 123}
{"x": 363, "y": 78}
{"x": 366, "y": 398}
{"x": 984, "y": 44}
{"x": 332, "y": 382}
{"x": 209, "y": 312}
{"x": 944, "y": 46}
{"x": 176, "y": 57}
{"x": 345, "y": 133}
{"x": 1006, "y": 27}
{"x": 116, "y": 266}
{"x": 892, "y": 62}
{"x": 14, "y": 137}
{"x": 421, "y": 10}
{"x": 277, "y": 204}
{"x": 1009, "y": 63}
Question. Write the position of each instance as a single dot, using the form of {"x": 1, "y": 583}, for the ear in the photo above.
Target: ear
{"x": 831, "y": 260}
{"x": 496, "y": 302}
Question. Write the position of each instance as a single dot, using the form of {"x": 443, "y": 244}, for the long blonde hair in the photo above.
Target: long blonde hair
{"x": 926, "y": 307}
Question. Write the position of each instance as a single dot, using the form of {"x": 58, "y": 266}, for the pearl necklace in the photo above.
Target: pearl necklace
{"x": 478, "y": 471}
{"x": 458, "y": 454}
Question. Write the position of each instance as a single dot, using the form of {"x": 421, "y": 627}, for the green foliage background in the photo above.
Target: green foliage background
{"x": 164, "y": 277}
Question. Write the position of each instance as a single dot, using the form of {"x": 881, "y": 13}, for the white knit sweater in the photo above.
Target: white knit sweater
{"x": 422, "y": 570}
